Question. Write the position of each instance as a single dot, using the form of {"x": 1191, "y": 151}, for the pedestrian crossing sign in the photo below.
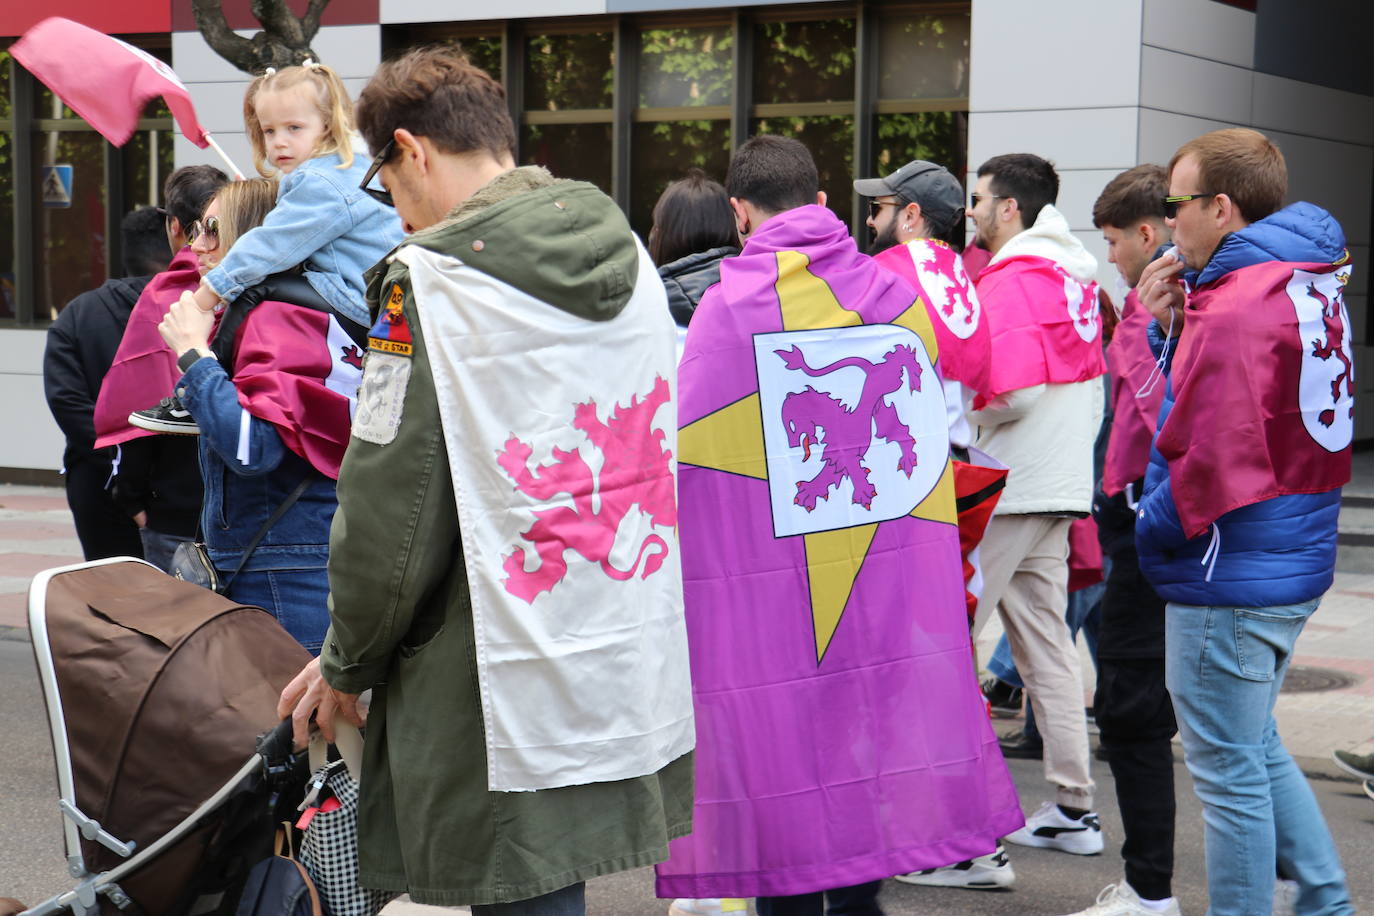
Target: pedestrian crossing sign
{"x": 57, "y": 186}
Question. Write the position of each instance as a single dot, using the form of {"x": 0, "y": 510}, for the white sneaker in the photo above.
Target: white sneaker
{"x": 1122, "y": 900}
{"x": 707, "y": 906}
{"x": 983, "y": 873}
{"x": 1048, "y": 828}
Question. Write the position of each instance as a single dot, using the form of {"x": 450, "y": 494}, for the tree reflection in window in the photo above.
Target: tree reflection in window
{"x": 569, "y": 72}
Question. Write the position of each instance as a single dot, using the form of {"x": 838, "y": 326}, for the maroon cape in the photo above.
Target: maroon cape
{"x": 1134, "y": 417}
{"x": 1263, "y": 391}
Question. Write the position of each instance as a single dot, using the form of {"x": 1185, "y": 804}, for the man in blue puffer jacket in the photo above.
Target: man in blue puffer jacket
{"x": 1237, "y": 527}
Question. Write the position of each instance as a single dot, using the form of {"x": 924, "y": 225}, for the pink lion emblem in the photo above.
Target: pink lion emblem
{"x": 847, "y": 434}
{"x": 635, "y": 474}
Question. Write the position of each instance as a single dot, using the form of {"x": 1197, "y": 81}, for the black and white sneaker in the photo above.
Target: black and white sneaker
{"x": 1050, "y": 828}
{"x": 169, "y": 416}
{"x": 984, "y": 873}
{"x": 1003, "y": 699}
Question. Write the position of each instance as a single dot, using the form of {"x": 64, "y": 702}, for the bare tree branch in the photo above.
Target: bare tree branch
{"x": 283, "y": 41}
{"x": 310, "y": 23}
{"x": 214, "y": 27}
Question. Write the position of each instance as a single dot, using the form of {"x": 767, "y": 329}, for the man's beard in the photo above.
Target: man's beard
{"x": 886, "y": 238}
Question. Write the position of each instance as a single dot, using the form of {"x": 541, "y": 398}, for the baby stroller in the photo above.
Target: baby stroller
{"x": 155, "y": 690}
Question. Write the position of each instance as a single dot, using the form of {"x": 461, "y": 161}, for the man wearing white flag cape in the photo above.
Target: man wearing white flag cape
{"x": 504, "y": 567}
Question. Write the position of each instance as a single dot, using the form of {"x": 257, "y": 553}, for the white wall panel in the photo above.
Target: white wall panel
{"x": 1092, "y": 138}
{"x": 1203, "y": 28}
{"x": 1054, "y": 54}
{"x": 1190, "y": 85}
{"x": 425, "y": 10}
{"x": 39, "y": 442}
{"x": 1336, "y": 176}
{"x": 1163, "y": 132}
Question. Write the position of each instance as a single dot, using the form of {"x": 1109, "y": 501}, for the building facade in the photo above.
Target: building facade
{"x": 628, "y": 94}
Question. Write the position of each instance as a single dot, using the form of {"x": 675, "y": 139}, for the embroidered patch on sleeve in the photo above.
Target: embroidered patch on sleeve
{"x": 391, "y": 333}
{"x": 381, "y": 397}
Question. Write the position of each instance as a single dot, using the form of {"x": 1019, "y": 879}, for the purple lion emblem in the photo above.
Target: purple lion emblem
{"x": 844, "y": 434}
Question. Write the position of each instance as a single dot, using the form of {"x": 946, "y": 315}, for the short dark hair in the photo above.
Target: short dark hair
{"x": 773, "y": 173}
{"x": 143, "y": 241}
{"x": 1026, "y": 178}
{"x": 189, "y": 189}
{"x": 692, "y": 214}
{"x": 436, "y": 92}
{"x": 1241, "y": 163}
{"x": 1136, "y": 194}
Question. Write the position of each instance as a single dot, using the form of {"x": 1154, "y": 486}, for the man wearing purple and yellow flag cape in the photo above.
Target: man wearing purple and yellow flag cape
{"x": 841, "y": 736}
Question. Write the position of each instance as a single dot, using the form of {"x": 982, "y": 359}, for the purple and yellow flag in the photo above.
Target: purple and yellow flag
{"x": 841, "y": 735}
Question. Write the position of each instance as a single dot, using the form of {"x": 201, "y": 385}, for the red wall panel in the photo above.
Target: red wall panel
{"x": 112, "y": 18}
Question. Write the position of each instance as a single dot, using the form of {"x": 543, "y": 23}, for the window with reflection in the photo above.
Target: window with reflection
{"x": 663, "y": 151}
{"x": 804, "y": 61}
{"x": 69, "y": 240}
{"x": 579, "y": 151}
{"x": 686, "y": 67}
{"x": 569, "y": 71}
{"x": 830, "y": 138}
{"x": 936, "y": 136}
{"x": 923, "y": 56}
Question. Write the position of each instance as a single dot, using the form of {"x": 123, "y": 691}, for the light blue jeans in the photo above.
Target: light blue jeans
{"x": 1224, "y": 667}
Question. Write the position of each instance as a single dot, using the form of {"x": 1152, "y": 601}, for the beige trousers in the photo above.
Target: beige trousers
{"x": 1026, "y": 576}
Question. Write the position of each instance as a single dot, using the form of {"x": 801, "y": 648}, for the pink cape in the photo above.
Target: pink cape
{"x": 936, "y": 271}
{"x": 1263, "y": 391}
{"x": 1134, "y": 418}
{"x": 144, "y": 370}
{"x": 1044, "y": 323}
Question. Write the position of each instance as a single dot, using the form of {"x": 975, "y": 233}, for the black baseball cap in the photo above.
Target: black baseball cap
{"x": 920, "y": 182}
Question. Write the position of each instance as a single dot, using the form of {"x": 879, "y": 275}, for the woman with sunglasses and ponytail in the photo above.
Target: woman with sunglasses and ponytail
{"x": 273, "y": 398}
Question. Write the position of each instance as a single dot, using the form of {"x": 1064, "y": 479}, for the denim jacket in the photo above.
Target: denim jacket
{"x": 241, "y": 495}
{"x": 324, "y": 221}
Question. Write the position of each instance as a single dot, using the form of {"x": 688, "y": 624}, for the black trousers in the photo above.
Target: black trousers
{"x": 101, "y": 526}
{"x": 1135, "y": 717}
{"x": 859, "y": 900}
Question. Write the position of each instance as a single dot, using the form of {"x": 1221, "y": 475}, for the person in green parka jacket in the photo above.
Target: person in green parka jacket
{"x": 401, "y": 600}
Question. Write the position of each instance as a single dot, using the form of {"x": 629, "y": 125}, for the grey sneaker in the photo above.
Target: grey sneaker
{"x": 169, "y": 416}
{"x": 1359, "y": 765}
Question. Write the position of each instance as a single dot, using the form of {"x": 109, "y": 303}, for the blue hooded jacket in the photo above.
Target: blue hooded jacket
{"x": 1278, "y": 551}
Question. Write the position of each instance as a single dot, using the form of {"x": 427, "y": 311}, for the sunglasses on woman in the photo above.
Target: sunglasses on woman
{"x": 208, "y": 227}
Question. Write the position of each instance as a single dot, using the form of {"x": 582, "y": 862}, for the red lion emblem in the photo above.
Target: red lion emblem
{"x": 635, "y": 475}
{"x": 1333, "y": 345}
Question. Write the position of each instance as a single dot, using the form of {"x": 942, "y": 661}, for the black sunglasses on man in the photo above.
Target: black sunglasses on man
{"x": 378, "y": 194}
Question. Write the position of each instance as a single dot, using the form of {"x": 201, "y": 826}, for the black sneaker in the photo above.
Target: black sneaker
{"x": 1022, "y": 747}
{"x": 169, "y": 416}
{"x": 1003, "y": 698}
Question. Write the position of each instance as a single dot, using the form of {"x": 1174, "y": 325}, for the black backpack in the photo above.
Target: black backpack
{"x": 280, "y": 886}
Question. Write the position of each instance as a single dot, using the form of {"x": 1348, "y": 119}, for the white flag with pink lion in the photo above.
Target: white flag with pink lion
{"x": 561, "y": 434}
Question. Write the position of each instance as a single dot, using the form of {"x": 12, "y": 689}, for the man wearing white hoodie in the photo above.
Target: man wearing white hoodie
{"x": 1039, "y": 417}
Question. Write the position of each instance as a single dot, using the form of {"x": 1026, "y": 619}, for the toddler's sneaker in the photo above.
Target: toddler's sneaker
{"x": 1051, "y": 828}
{"x": 169, "y": 416}
{"x": 983, "y": 873}
{"x": 1122, "y": 900}
{"x": 708, "y": 906}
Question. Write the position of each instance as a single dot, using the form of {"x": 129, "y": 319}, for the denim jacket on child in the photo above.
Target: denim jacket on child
{"x": 322, "y": 220}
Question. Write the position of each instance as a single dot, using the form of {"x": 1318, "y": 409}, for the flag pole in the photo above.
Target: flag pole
{"x": 223, "y": 155}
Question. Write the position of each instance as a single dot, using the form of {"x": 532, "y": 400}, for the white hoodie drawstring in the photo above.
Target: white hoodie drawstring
{"x": 114, "y": 466}
{"x": 1157, "y": 372}
{"x": 245, "y": 426}
{"x": 1209, "y": 559}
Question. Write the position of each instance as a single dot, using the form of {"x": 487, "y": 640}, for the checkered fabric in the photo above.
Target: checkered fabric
{"x": 329, "y": 850}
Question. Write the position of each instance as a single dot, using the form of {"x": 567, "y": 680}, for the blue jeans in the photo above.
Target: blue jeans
{"x": 298, "y": 598}
{"x": 158, "y": 547}
{"x": 1224, "y": 667}
{"x": 566, "y": 901}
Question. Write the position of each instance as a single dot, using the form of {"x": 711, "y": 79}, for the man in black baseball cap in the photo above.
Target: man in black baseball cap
{"x": 919, "y": 200}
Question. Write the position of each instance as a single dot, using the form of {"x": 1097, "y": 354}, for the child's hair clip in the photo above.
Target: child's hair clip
{"x": 309, "y": 64}
{"x": 270, "y": 71}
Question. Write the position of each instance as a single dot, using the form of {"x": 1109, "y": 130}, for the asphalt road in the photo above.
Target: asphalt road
{"x": 1048, "y": 883}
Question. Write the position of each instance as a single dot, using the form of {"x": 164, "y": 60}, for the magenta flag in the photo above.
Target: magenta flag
{"x": 937, "y": 272}
{"x": 1045, "y": 326}
{"x": 297, "y": 368}
{"x": 104, "y": 80}
{"x": 1137, "y": 392}
{"x": 841, "y": 735}
{"x": 1264, "y": 390}
{"x": 144, "y": 369}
